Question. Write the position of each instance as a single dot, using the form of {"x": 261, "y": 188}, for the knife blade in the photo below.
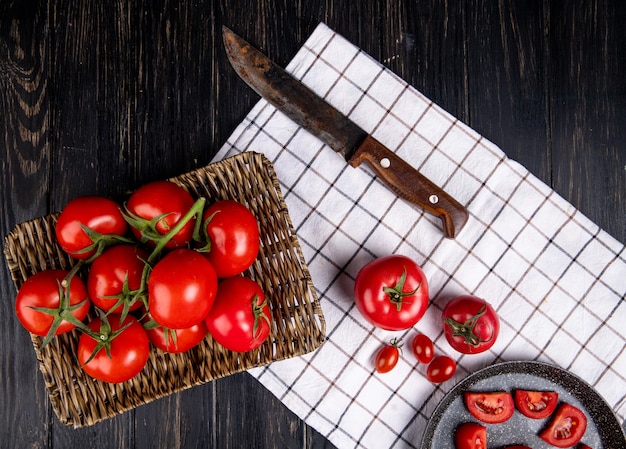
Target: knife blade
{"x": 317, "y": 116}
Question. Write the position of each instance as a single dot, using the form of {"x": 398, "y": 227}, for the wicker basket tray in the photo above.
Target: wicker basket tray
{"x": 298, "y": 323}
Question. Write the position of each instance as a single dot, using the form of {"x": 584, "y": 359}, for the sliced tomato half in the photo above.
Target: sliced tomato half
{"x": 566, "y": 428}
{"x": 536, "y": 404}
{"x": 470, "y": 435}
{"x": 491, "y": 407}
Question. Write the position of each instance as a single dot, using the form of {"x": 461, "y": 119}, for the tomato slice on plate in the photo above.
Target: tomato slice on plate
{"x": 470, "y": 435}
{"x": 536, "y": 404}
{"x": 491, "y": 407}
{"x": 566, "y": 428}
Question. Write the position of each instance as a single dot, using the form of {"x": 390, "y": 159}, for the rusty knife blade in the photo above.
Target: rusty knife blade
{"x": 317, "y": 116}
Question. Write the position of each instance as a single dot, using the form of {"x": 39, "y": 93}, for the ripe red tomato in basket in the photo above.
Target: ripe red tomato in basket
{"x": 470, "y": 324}
{"x": 114, "y": 278}
{"x": 161, "y": 204}
{"x": 43, "y": 290}
{"x": 470, "y": 435}
{"x": 118, "y": 352}
{"x": 240, "y": 318}
{"x": 176, "y": 341}
{"x": 391, "y": 292}
{"x": 101, "y": 215}
{"x": 233, "y": 237}
{"x": 493, "y": 407}
{"x": 181, "y": 289}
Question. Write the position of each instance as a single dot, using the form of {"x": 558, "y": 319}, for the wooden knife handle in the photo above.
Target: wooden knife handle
{"x": 411, "y": 185}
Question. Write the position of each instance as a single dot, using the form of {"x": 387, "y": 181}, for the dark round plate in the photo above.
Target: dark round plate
{"x": 603, "y": 428}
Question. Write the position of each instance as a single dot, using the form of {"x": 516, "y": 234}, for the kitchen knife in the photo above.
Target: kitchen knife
{"x": 321, "y": 119}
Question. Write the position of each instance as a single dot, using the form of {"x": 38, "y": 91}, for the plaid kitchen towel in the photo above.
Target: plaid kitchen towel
{"x": 555, "y": 278}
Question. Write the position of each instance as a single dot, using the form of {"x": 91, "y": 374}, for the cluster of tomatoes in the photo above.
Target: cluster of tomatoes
{"x": 566, "y": 428}
{"x": 391, "y": 292}
{"x": 163, "y": 270}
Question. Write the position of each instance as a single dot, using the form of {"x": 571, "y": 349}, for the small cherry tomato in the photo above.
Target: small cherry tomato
{"x": 87, "y": 223}
{"x": 441, "y": 369}
{"x": 423, "y": 348}
{"x": 391, "y": 292}
{"x": 388, "y": 356}
{"x": 470, "y": 324}
{"x": 536, "y": 404}
{"x": 470, "y": 435}
{"x": 567, "y": 427}
{"x": 491, "y": 407}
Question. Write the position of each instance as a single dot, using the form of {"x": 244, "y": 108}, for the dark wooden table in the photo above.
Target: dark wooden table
{"x": 100, "y": 97}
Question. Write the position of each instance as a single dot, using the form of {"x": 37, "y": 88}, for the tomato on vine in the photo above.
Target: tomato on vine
{"x": 114, "y": 281}
{"x": 154, "y": 209}
{"x": 89, "y": 223}
{"x": 52, "y": 302}
{"x": 114, "y": 350}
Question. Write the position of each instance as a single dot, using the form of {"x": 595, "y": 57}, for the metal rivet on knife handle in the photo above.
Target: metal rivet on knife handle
{"x": 321, "y": 119}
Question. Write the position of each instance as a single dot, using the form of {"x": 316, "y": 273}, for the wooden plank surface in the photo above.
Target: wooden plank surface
{"x": 100, "y": 97}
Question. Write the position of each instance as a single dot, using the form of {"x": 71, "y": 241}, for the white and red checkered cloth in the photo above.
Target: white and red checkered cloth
{"x": 555, "y": 278}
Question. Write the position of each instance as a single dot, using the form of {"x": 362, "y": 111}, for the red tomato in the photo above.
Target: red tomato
{"x": 177, "y": 340}
{"x": 536, "y": 404}
{"x": 492, "y": 407}
{"x": 155, "y": 208}
{"x": 441, "y": 369}
{"x": 567, "y": 427}
{"x": 388, "y": 356}
{"x": 423, "y": 348}
{"x": 114, "y": 279}
{"x": 42, "y": 290}
{"x": 240, "y": 318}
{"x": 391, "y": 292}
{"x": 119, "y": 355}
{"x": 101, "y": 215}
{"x": 470, "y": 324}
{"x": 181, "y": 289}
{"x": 470, "y": 435}
{"x": 233, "y": 237}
